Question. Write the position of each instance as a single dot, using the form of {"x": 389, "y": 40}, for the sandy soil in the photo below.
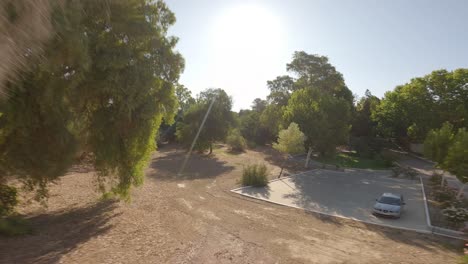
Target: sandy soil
{"x": 194, "y": 218}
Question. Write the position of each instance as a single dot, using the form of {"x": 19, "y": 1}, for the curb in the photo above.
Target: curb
{"x": 428, "y": 221}
{"x": 336, "y": 216}
{"x": 456, "y": 234}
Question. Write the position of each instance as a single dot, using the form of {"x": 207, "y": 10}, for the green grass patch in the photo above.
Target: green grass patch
{"x": 255, "y": 175}
{"x": 14, "y": 226}
{"x": 352, "y": 160}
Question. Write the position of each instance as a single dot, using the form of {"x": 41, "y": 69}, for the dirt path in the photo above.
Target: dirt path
{"x": 194, "y": 218}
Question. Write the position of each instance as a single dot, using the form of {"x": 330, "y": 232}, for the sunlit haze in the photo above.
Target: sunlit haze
{"x": 376, "y": 45}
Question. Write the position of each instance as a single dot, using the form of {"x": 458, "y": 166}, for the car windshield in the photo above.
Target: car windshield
{"x": 389, "y": 200}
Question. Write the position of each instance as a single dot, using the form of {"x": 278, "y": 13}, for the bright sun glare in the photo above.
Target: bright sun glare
{"x": 246, "y": 28}
{"x": 244, "y": 40}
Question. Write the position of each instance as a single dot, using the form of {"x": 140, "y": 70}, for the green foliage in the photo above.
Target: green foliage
{"x": 445, "y": 196}
{"x": 362, "y": 123}
{"x": 457, "y": 157}
{"x": 8, "y": 199}
{"x": 322, "y": 117}
{"x": 259, "y": 105}
{"x": 236, "y": 141}
{"x": 438, "y": 142}
{"x": 411, "y": 110}
{"x": 103, "y": 84}
{"x": 316, "y": 72}
{"x": 281, "y": 89}
{"x": 14, "y": 226}
{"x": 456, "y": 215}
{"x": 184, "y": 102}
{"x": 184, "y": 97}
{"x": 255, "y": 175}
{"x": 290, "y": 140}
{"x": 218, "y": 122}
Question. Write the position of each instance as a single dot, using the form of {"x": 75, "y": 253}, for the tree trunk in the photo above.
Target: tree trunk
{"x": 460, "y": 192}
{"x": 308, "y": 157}
{"x": 211, "y": 148}
{"x": 282, "y": 167}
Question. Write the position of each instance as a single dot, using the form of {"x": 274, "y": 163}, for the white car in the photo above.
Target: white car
{"x": 389, "y": 204}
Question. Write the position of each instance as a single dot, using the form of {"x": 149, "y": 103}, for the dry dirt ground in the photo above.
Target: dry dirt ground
{"x": 194, "y": 218}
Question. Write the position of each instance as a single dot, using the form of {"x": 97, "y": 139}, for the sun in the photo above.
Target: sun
{"x": 246, "y": 31}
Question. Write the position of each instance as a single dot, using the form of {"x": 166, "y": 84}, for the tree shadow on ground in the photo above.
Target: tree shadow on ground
{"x": 57, "y": 233}
{"x": 425, "y": 241}
{"x": 276, "y": 158}
{"x": 169, "y": 166}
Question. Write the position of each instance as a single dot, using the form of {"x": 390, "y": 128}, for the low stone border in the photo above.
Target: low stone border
{"x": 439, "y": 230}
{"x": 322, "y": 213}
{"x": 431, "y": 229}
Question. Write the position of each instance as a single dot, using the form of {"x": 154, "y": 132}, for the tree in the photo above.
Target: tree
{"x": 184, "y": 97}
{"x": 103, "y": 84}
{"x": 281, "y": 89}
{"x": 362, "y": 124}
{"x": 437, "y": 144}
{"x": 218, "y": 123}
{"x": 259, "y": 105}
{"x": 271, "y": 120}
{"x": 315, "y": 71}
{"x": 184, "y": 101}
{"x": 413, "y": 109}
{"x": 290, "y": 140}
{"x": 323, "y": 118}
{"x": 456, "y": 161}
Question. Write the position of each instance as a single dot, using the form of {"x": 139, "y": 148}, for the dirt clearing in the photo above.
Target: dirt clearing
{"x": 194, "y": 218}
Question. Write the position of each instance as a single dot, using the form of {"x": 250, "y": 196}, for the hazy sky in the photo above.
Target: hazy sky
{"x": 376, "y": 45}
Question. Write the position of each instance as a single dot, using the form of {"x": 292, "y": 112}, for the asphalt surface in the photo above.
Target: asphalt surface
{"x": 349, "y": 194}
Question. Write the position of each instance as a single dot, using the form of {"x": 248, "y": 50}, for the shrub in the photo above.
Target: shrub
{"x": 8, "y": 199}
{"x": 456, "y": 215}
{"x": 389, "y": 157}
{"x": 236, "y": 141}
{"x": 444, "y": 196}
{"x": 410, "y": 173}
{"x": 255, "y": 175}
{"x": 436, "y": 179}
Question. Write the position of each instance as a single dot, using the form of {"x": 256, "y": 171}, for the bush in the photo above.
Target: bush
{"x": 8, "y": 199}
{"x": 456, "y": 215}
{"x": 255, "y": 175}
{"x": 389, "y": 157}
{"x": 236, "y": 141}
{"x": 436, "y": 179}
{"x": 444, "y": 196}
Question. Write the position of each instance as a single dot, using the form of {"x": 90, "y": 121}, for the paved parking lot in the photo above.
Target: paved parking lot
{"x": 350, "y": 194}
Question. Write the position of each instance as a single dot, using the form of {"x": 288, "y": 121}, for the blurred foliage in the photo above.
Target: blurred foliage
{"x": 104, "y": 82}
{"x": 218, "y": 122}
